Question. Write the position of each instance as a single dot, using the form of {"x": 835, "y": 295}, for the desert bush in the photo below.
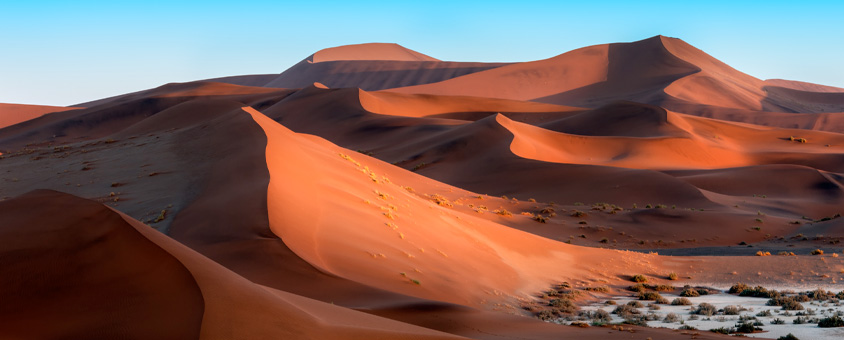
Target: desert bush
{"x": 650, "y": 296}
{"x": 802, "y": 320}
{"x": 626, "y": 311}
{"x": 639, "y": 278}
{"x": 600, "y": 315}
{"x": 636, "y": 321}
{"x": 671, "y": 318}
{"x": 787, "y": 302}
{"x": 788, "y": 336}
{"x": 738, "y": 288}
{"x": 661, "y": 300}
{"x": 672, "y": 276}
{"x": 705, "y": 309}
{"x": 546, "y": 315}
{"x": 689, "y": 293}
{"x": 639, "y": 287}
{"x": 663, "y": 288}
{"x": 746, "y": 327}
{"x": 731, "y": 310}
{"x": 564, "y": 306}
{"x": 758, "y": 291}
{"x": 817, "y": 252}
{"x": 599, "y": 289}
{"x": 833, "y": 321}
{"x": 681, "y": 302}
{"x": 766, "y": 312}
{"x": 578, "y": 213}
{"x": 635, "y": 304}
{"x": 503, "y": 212}
{"x": 723, "y": 330}
{"x": 777, "y": 321}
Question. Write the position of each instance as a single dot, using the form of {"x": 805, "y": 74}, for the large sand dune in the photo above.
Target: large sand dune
{"x": 374, "y": 192}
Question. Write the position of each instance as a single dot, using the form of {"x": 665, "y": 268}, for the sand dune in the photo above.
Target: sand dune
{"x": 374, "y": 192}
{"x": 372, "y": 51}
{"x": 137, "y": 282}
{"x": 802, "y": 86}
{"x": 11, "y": 114}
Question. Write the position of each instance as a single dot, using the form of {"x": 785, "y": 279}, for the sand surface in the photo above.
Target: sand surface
{"x": 371, "y": 191}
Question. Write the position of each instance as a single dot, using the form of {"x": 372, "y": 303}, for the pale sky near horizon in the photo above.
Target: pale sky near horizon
{"x": 64, "y": 53}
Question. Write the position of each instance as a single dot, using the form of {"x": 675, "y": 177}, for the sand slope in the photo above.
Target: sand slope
{"x": 11, "y": 114}
{"x": 443, "y": 195}
{"x": 135, "y": 282}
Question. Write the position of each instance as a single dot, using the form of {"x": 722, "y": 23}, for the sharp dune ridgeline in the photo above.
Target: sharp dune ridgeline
{"x": 374, "y": 192}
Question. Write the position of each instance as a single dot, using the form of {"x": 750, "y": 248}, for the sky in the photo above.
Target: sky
{"x": 68, "y": 52}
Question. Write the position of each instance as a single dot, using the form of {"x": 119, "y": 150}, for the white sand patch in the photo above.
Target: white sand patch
{"x": 753, "y": 306}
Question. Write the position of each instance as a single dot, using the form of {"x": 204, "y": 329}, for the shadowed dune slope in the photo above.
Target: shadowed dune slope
{"x": 106, "y": 117}
{"x": 135, "y": 282}
{"x": 373, "y": 75}
{"x": 375, "y": 66}
{"x": 802, "y": 86}
{"x": 76, "y": 266}
{"x": 627, "y": 119}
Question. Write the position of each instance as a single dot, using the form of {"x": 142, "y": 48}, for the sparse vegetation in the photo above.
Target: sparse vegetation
{"x": 503, "y": 212}
{"x": 639, "y": 278}
{"x": 650, "y": 296}
{"x": 681, "y": 302}
{"x": 599, "y": 289}
{"x": 705, "y": 309}
{"x": 833, "y": 321}
{"x": 672, "y": 276}
{"x": 161, "y": 216}
{"x": 817, "y": 252}
{"x": 671, "y": 318}
{"x": 688, "y": 292}
{"x": 787, "y": 302}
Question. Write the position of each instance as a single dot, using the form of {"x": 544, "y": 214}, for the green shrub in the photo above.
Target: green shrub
{"x": 746, "y": 327}
{"x": 833, "y": 321}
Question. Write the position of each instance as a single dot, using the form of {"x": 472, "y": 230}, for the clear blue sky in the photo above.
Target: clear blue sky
{"x": 67, "y": 52}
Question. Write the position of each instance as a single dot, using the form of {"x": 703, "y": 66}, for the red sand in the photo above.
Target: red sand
{"x": 369, "y": 183}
